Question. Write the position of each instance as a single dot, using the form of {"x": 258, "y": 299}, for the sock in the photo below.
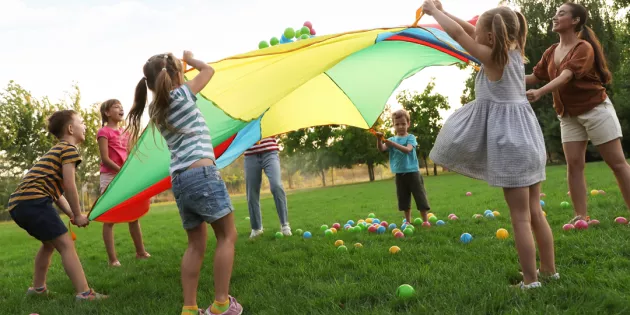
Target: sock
{"x": 218, "y": 307}
{"x": 190, "y": 310}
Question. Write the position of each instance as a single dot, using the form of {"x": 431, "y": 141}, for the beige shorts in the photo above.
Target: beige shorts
{"x": 600, "y": 125}
{"x": 106, "y": 178}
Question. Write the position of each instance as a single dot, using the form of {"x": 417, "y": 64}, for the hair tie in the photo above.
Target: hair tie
{"x": 164, "y": 69}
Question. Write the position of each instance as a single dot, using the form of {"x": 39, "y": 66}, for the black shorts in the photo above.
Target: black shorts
{"x": 408, "y": 184}
{"x": 39, "y": 218}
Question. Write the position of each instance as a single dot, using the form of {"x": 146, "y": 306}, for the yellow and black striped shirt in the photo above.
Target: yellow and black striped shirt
{"x": 45, "y": 178}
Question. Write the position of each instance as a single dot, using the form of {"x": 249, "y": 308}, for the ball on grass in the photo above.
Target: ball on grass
{"x": 405, "y": 291}
{"x": 502, "y": 234}
{"x": 299, "y": 231}
{"x": 279, "y": 235}
{"x": 568, "y": 227}
{"x": 466, "y": 238}
{"x": 394, "y": 250}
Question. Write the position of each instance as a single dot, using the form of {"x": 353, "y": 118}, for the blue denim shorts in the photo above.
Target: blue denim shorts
{"x": 201, "y": 196}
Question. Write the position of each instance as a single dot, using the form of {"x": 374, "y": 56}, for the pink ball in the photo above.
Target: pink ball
{"x": 593, "y": 222}
{"x": 313, "y": 31}
{"x": 601, "y": 192}
{"x": 384, "y": 223}
{"x": 581, "y": 225}
{"x": 621, "y": 220}
{"x": 399, "y": 235}
{"x": 426, "y": 224}
{"x": 469, "y": 194}
{"x": 337, "y": 226}
{"x": 568, "y": 227}
{"x": 308, "y": 24}
{"x": 372, "y": 229}
{"x": 454, "y": 218}
{"x": 451, "y": 215}
{"x": 542, "y": 195}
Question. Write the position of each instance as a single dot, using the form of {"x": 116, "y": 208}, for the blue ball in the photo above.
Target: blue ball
{"x": 381, "y": 229}
{"x": 542, "y": 203}
{"x": 486, "y": 212}
{"x": 404, "y": 226}
{"x": 307, "y": 234}
{"x": 347, "y": 226}
{"x": 466, "y": 238}
{"x": 392, "y": 226}
{"x": 377, "y": 221}
{"x": 490, "y": 215}
{"x": 350, "y": 222}
{"x": 440, "y": 222}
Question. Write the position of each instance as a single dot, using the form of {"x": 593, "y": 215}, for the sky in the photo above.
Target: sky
{"x": 102, "y": 44}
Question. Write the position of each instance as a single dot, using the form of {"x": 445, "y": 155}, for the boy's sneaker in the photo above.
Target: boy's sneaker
{"x": 235, "y": 309}
{"x": 90, "y": 296}
{"x": 34, "y": 292}
{"x": 286, "y": 230}
{"x": 256, "y": 233}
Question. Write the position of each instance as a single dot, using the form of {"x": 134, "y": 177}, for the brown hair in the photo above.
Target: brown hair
{"x": 59, "y": 120}
{"x": 507, "y": 27}
{"x": 105, "y": 107}
{"x": 587, "y": 34}
{"x": 162, "y": 74}
{"x": 401, "y": 113}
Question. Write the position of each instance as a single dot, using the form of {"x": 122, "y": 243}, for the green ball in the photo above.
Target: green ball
{"x": 409, "y": 226}
{"x": 324, "y": 227}
{"x": 279, "y": 235}
{"x": 433, "y": 219}
{"x": 342, "y": 248}
{"x": 417, "y": 221}
{"x": 304, "y": 36}
{"x": 405, "y": 291}
{"x": 408, "y": 232}
{"x": 565, "y": 204}
{"x": 371, "y": 215}
{"x": 289, "y": 33}
{"x": 357, "y": 229}
{"x": 298, "y": 32}
{"x": 299, "y": 231}
{"x": 305, "y": 30}
{"x": 263, "y": 44}
{"x": 274, "y": 41}
{"x": 328, "y": 232}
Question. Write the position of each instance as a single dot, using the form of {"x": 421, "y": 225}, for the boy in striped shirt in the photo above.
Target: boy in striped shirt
{"x": 30, "y": 206}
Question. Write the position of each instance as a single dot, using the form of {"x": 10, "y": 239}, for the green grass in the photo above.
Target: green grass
{"x": 297, "y": 276}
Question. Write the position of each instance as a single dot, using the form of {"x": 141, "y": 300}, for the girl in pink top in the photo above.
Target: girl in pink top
{"x": 112, "y": 144}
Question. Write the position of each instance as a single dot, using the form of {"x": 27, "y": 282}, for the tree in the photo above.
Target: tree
{"x": 425, "y": 118}
{"x": 315, "y": 144}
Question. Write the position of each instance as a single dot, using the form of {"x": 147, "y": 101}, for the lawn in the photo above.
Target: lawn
{"x": 298, "y": 276}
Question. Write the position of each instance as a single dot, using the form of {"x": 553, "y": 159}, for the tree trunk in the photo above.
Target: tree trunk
{"x": 332, "y": 176}
{"x": 323, "y": 173}
{"x": 371, "y": 171}
{"x": 426, "y": 165}
{"x": 290, "y": 178}
{"x": 434, "y": 169}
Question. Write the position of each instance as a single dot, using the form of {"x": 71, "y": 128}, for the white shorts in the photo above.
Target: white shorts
{"x": 106, "y": 178}
{"x": 600, "y": 125}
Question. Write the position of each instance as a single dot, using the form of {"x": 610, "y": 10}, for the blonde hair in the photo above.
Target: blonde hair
{"x": 105, "y": 106}
{"x": 507, "y": 27}
{"x": 401, "y": 113}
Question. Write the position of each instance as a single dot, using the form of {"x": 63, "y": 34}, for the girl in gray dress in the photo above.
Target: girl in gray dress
{"x": 496, "y": 137}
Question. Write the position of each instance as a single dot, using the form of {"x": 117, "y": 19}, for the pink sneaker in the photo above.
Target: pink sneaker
{"x": 235, "y": 308}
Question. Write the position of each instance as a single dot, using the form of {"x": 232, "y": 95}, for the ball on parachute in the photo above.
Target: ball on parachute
{"x": 289, "y": 33}
{"x": 263, "y": 44}
{"x": 274, "y": 41}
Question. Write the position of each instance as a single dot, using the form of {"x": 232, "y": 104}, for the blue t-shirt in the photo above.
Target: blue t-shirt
{"x": 401, "y": 162}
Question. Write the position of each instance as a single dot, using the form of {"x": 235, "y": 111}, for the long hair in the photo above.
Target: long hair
{"x": 105, "y": 106}
{"x": 587, "y": 34}
{"x": 507, "y": 28}
{"x": 162, "y": 74}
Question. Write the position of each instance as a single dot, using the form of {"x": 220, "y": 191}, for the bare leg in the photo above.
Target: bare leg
{"x": 408, "y": 216}
{"x": 225, "y": 232}
{"x": 108, "y": 238}
{"x": 574, "y": 154}
{"x": 613, "y": 155}
{"x": 518, "y": 202}
{"x": 542, "y": 231}
{"x": 191, "y": 263}
{"x": 136, "y": 236}
{"x": 42, "y": 262}
{"x": 71, "y": 262}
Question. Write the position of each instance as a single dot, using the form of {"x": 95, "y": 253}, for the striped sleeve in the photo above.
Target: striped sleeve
{"x": 70, "y": 154}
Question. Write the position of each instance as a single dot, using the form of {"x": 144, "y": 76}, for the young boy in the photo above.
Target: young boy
{"x": 403, "y": 161}
{"x": 31, "y": 207}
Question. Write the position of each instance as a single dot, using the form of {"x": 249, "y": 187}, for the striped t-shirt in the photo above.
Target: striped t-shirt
{"x": 45, "y": 178}
{"x": 262, "y": 146}
{"x": 192, "y": 140}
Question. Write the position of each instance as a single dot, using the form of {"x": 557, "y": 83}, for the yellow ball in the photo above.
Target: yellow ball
{"x": 338, "y": 243}
{"x": 594, "y": 192}
{"x": 333, "y": 230}
{"x": 544, "y": 213}
{"x": 360, "y": 221}
{"x": 430, "y": 215}
{"x": 394, "y": 250}
{"x": 358, "y": 245}
{"x": 502, "y": 234}
{"x": 496, "y": 213}
{"x": 394, "y": 231}
{"x": 368, "y": 220}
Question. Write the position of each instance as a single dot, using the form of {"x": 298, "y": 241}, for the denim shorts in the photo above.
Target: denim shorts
{"x": 201, "y": 196}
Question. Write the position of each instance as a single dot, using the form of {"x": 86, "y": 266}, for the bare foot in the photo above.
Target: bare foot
{"x": 115, "y": 263}
{"x": 146, "y": 255}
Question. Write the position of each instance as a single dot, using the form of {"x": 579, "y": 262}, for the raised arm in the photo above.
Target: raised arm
{"x": 205, "y": 73}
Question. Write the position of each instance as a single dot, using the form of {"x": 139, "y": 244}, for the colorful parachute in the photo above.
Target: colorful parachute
{"x": 342, "y": 79}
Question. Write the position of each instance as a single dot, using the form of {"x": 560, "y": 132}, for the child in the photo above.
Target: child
{"x": 199, "y": 190}
{"x": 112, "y": 144}
{"x": 403, "y": 161}
{"x": 31, "y": 207}
{"x": 496, "y": 137}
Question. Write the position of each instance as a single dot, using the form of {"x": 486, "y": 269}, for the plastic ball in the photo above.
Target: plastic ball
{"x": 417, "y": 221}
{"x": 454, "y": 218}
{"x": 395, "y": 230}
{"x": 279, "y": 235}
{"x": 542, "y": 195}
{"x": 372, "y": 229}
{"x": 486, "y": 212}
{"x": 466, "y": 238}
{"x": 246, "y": 218}
{"x": 469, "y": 194}
{"x": 542, "y": 203}
{"x": 369, "y": 220}
{"x": 350, "y": 222}
{"x": 440, "y": 222}
{"x": 336, "y": 226}
{"x": 502, "y": 234}
{"x": 392, "y": 226}
{"x": 394, "y": 250}
{"x": 399, "y": 235}
{"x": 377, "y": 221}
{"x": 430, "y": 215}
{"x": 601, "y": 192}
{"x": 342, "y": 248}
{"x": 405, "y": 291}
{"x": 385, "y": 224}
{"x": 568, "y": 227}
{"x": 496, "y": 213}
{"x": 357, "y": 229}
{"x": 289, "y": 33}
{"x": 433, "y": 219}
{"x": 593, "y": 222}
{"x": 328, "y": 232}
{"x": 490, "y": 215}
{"x": 380, "y": 230}
{"x": 307, "y": 234}
{"x": 565, "y": 205}
{"x": 450, "y": 215}
{"x": 408, "y": 232}
{"x": 426, "y": 224}
{"x": 305, "y": 30}
{"x": 313, "y": 31}
{"x": 338, "y": 243}
{"x": 621, "y": 220}
{"x": 477, "y": 216}
{"x": 360, "y": 221}
{"x": 324, "y": 227}
{"x": 333, "y": 230}
{"x": 594, "y": 192}
{"x": 274, "y": 41}
{"x": 308, "y": 24}
{"x": 581, "y": 225}
{"x": 358, "y": 245}
{"x": 347, "y": 227}
{"x": 263, "y": 44}
{"x": 299, "y": 232}
{"x": 371, "y": 215}
{"x": 304, "y": 36}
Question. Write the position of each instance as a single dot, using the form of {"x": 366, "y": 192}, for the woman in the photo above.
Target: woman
{"x": 577, "y": 71}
